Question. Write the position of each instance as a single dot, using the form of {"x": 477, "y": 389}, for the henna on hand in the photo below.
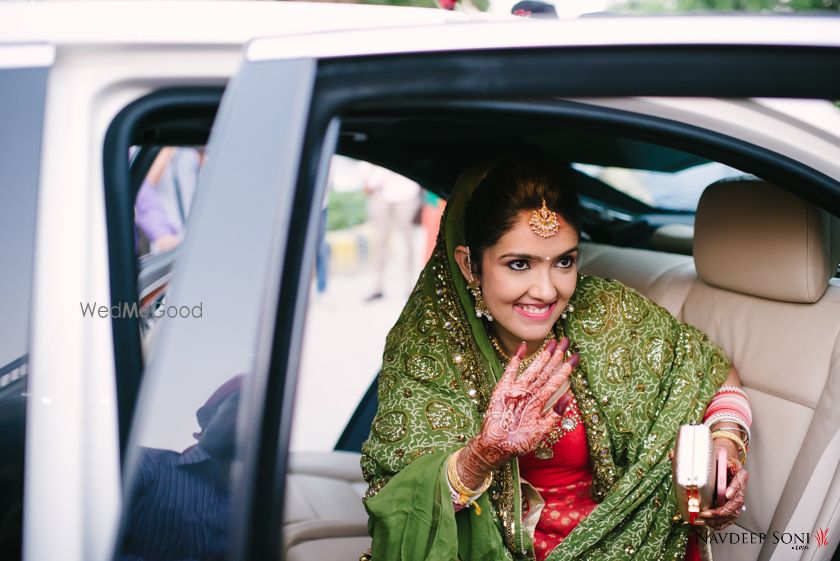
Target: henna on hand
{"x": 725, "y": 515}
{"x": 514, "y": 424}
{"x": 472, "y": 469}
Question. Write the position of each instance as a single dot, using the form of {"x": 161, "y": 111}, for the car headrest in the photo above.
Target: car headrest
{"x": 755, "y": 238}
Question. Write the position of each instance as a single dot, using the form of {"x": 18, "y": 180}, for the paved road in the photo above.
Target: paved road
{"x": 342, "y": 349}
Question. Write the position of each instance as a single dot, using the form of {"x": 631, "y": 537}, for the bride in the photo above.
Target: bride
{"x": 527, "y": 411}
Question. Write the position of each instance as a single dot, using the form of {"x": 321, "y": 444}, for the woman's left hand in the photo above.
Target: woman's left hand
{"x": 736, "y": 493}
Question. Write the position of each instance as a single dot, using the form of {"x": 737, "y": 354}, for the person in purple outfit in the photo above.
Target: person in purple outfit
{"x": 151, "y": 219}
{"x": 165, "y": 197}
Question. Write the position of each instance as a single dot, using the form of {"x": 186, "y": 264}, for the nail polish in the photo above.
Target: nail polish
{"x": 563, "y": 403}
{"x": 551, "y": 346}
{"x": 573, "y": 360}
{"x": 564, "y": 344}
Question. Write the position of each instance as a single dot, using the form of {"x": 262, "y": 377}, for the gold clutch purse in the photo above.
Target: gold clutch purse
{"x": 693, "y": 466}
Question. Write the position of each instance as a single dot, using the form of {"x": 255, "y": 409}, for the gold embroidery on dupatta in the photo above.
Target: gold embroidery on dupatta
{"x": 604, "y": 471}
{"x": 474, "y": 379}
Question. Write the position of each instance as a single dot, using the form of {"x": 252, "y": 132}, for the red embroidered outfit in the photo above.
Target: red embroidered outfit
{"x": 563, "y": 480}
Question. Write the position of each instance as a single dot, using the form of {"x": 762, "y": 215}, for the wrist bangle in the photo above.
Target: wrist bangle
{"x": 712, "y": 420}
{"x": 464, "y": 492}
{"x": 742, "y": 449}
{"x": 732, "y": 426}
{"x": 732, "y": 389}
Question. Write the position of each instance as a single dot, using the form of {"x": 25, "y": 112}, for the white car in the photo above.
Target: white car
{"x": 425, "y": 93}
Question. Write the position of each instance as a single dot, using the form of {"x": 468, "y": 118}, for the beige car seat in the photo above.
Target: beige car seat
{"x": 324, "y": 518}
{"x": 764, "y": 291}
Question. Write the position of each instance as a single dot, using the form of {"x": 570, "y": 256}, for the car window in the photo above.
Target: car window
{"x": 161, "y": 215}
{"x": 678, "y": 190}
{"x": 377, "y": 230}
{"x": 21, "y": 112}
{"x": 347, "y": 318}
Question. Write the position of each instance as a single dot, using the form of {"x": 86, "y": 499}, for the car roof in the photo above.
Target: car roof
{"x": 197, "y": 22}
{"x": 524, "y": 33}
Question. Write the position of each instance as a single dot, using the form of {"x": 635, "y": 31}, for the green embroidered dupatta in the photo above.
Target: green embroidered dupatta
{"x": 642, "y": 374}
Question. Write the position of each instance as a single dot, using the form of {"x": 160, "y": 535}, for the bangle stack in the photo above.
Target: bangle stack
{"x": 465, "y": 494}
{"x": 729, "y": 416}
{"x": 742, "y": 447}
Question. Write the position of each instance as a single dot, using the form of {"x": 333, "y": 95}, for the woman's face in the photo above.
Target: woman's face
{"x": 527, "y": 280}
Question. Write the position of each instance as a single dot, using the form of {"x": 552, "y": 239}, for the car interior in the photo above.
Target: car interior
{"x": 753, "y": 264}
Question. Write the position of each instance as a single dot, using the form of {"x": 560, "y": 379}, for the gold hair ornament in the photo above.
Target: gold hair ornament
{"x": 544, "y": 222}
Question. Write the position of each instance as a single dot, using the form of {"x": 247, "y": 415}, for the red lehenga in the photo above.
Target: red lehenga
{"x": 564, "y": 482}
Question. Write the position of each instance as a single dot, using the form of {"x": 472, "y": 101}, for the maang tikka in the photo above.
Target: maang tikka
{"x": 473, "y": 286}
{"x": 543, "y": 222}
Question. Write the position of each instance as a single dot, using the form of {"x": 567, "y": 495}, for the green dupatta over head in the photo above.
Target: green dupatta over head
{"x": 641, "y": 375}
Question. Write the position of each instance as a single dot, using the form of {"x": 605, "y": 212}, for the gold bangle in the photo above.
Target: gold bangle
{"x": 464, "y": 492}
{"x": 738, "y": 426}
{"x": 738, "y": 431}
{"x": 742, "y": 448}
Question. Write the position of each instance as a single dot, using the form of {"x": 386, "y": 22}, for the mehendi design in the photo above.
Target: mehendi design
{"x": 724, "y": 516}
{"x": 513, "y": 423}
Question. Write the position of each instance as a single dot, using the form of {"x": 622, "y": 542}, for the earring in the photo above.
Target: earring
{"x": 569, "y": 309}
{"x": 475, "y": 289}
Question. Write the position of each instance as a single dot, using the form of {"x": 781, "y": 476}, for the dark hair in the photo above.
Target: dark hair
{"x": 515, "y": 185}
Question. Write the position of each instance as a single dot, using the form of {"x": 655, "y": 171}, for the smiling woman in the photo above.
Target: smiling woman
{"x": 566, "y": 457}
{"x": 525, "y": 280}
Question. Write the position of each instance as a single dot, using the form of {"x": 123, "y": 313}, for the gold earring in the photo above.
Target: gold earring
{"x": 569, "y": 309}
{"x": 473, "y": 286}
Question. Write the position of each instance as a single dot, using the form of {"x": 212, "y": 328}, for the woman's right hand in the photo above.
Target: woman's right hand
{"x": 514, "y": 422}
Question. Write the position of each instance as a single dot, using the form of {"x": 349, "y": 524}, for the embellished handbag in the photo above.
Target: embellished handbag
{"x": 696, "y": 478}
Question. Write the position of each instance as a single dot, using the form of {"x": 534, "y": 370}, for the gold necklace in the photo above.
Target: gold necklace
{"x": 567, "y": 423}
{"x": 526, "y": 361}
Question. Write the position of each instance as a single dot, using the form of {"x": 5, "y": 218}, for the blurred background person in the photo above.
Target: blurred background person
{"x": 430, "y": 218}
{"x": 165, "y": 197}
{"x": 534, "y": 9}
{"x": 322, "y": 255}
{"x": 181, "y": 507}
{"x": 393, "y": 202}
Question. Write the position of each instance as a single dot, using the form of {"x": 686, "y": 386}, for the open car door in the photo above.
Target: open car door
{"x": 247, "y": 260}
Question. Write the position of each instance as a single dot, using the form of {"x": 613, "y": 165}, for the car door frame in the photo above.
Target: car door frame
{"x": 342, "y": 83}
{"x": 24, "y": 79}
{"x": 347, "y": 83}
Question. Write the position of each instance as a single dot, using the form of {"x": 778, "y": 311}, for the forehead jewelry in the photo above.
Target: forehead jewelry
{"x": 544, "y": 222}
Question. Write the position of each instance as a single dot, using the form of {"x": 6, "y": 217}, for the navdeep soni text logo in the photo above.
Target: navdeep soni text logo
{"x": 795, "y": 540}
